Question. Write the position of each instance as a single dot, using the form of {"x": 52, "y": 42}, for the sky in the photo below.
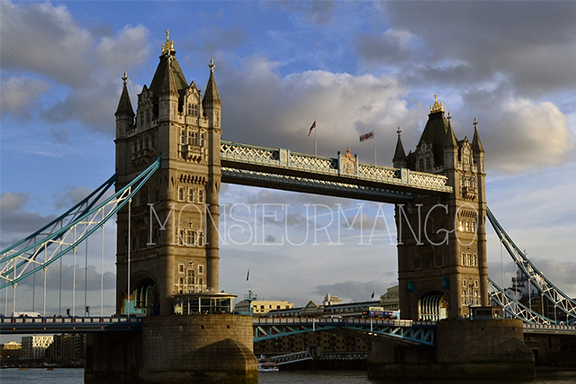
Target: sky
{"x": 351, "y": 66}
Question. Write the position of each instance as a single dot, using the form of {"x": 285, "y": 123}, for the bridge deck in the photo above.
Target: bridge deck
{"x": 26, "y": 325}
{"x": 421, "y": 332}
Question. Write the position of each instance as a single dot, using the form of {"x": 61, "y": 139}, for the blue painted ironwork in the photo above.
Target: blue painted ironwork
{"x": 535, "y": 277}
{"x": 512, "y": 307}
{"x": 37, "y": 325}
{"x": 23, "y": 259}
{"x": 302, "y": 184}
{"x": 422, "y": 333}
{"x": 291, "y": 358}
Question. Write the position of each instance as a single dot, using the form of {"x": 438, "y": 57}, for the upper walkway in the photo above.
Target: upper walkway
{"x": 343, "y": 176}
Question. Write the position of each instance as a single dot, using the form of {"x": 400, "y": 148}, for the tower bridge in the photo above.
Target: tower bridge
{"x": 175, "y": 140}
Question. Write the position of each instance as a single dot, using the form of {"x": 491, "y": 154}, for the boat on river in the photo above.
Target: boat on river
{"x": 267, "y": 365}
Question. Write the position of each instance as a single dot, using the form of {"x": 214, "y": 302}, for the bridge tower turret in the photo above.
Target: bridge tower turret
{"x": 442, "y": 263}
{"x": 169, "y": 246}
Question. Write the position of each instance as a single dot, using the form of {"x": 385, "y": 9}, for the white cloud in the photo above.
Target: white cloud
{"x": 46, "y": 40}
{"x": 21, "y": 94}
{"x": 280, "y": 110}
{"x": 521, "y": 135}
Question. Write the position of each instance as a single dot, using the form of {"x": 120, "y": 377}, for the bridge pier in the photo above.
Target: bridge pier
{"x": 175, "y": 349}
{"x": 474, "y": 349}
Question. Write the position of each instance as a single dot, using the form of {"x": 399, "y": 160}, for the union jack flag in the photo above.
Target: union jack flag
{"x": 312, "y": 127}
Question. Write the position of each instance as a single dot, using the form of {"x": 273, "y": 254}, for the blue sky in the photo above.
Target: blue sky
{"x": 354, "y": 66}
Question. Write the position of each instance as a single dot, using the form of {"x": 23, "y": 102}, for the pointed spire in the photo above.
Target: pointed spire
{"x": 450, "y": 142}
{"x": 399, "y": 159}
{"x": 211, "y": 95}
{"x": 125, "y": 105}
{"x": 476, "y": 143}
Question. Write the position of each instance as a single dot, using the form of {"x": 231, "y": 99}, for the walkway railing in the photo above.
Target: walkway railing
{"x": 24, "y": 325}
{"x": 550, "y": 329}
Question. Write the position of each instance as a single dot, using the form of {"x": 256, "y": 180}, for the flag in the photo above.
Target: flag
{"x": 367, "y": 136}
{"x": 312, "y": 127}
{"x": 248, "y": 274}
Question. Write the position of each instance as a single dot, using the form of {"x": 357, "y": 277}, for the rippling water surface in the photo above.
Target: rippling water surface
{"x": 76, "y": 376}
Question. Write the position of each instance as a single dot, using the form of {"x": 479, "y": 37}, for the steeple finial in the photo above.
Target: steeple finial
{"x": 437, "y": 107}
{"x": 211, "y": 65}
{"x": 169, "y": 46}
{"x": 476, "y": 143}
{"x": 125, "y": 78}
{"x": 399, "y": 159}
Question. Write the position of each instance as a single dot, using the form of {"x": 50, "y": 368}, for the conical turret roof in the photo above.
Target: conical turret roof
{"x": 211, "y": 94}
{"x": 168, "y": 63}
{"x": 125, "y": 105}
{"x": 476, "y": 143}
{"x": 435, "y": 132}
{"x": 399, "y": 154}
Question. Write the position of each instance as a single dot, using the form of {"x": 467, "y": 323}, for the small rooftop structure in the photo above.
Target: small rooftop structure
{"x": 203, "y": 303}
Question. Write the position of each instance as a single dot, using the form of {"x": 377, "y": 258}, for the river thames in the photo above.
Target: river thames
{"x": 76, "y": 376}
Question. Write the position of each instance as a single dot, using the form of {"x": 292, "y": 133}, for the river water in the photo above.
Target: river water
{"x": 76, "y": 376}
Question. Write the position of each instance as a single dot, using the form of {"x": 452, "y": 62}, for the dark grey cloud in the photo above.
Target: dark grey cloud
{"x": 15, "y": 221}
{"x": 560, "y": 272}
{"x": 531, "y": 42}
{"x": 89, "y": 278}
{"x": 18, "y": 220}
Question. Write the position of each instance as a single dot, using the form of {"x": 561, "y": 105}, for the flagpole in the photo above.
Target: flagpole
{"x": 375, "y": 163}
{"x": 315, "y": 138}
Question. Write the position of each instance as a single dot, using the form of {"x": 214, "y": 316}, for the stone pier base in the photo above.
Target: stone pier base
{"x": 176, "y": 349}
{"x": 478, "y": 349}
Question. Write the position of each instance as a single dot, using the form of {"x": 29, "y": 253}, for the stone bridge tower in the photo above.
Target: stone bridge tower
{"x": 442, "y": 263}
{"x": 172, "y": 237}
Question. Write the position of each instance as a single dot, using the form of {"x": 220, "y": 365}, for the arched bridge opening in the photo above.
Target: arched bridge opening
{"x": 433, "y": 306}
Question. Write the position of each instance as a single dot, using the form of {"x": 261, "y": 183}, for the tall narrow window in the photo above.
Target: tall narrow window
{"x": 192, "y": 137}
{"x": 183, "y": 137}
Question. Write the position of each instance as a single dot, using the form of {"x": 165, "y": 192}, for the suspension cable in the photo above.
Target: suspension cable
{"x": 45, "y": 277}
{"x": 86, "y": 280}
{"x": 127, "y": 306}
{"x": 102, "y": 270}
{"x": 74, "y": 278}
